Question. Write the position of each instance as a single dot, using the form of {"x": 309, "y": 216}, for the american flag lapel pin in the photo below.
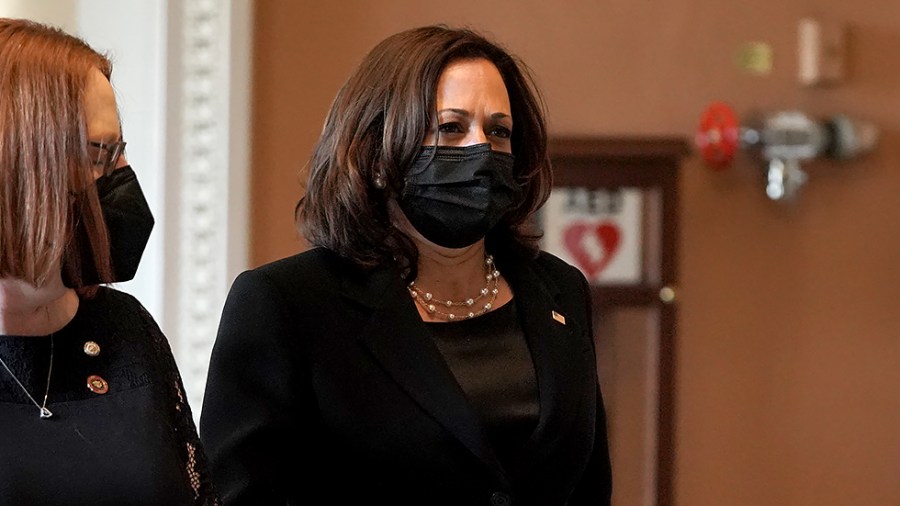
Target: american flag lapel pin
{"x": 558, "y": 317}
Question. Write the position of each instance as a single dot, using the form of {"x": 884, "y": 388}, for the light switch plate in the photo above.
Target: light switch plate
{"x": 822, "y": 52}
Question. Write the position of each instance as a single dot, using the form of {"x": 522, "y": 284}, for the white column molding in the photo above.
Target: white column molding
{"x": 209, "y": 61}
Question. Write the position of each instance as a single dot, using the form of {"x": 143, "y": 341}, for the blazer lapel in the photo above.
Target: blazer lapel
{"x": 398, "y": 339}
{"x": 553, "y": 339}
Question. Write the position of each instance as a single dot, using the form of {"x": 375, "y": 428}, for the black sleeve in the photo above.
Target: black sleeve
{"x": 180, "y": 418}
{"x": 595, "y": 486}
{"x": 249, "y": 422}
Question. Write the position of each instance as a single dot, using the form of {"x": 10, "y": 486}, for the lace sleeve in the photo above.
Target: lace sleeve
{"x": 182, "y": 421}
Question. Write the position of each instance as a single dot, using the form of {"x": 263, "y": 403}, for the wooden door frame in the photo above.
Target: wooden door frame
{"x": 649, "y": 163}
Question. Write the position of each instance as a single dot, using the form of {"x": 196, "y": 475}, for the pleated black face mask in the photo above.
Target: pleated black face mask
{"x": 454, "y": 196}
{"x": 128, "y": 222}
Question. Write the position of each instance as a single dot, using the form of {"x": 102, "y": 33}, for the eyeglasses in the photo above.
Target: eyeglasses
{"x": 105, "y": 155}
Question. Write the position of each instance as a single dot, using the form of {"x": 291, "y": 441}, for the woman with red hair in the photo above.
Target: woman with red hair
{"x": 92, "y": 409}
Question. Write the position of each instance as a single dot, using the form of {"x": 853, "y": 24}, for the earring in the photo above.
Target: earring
{"x": 379, "y": 181}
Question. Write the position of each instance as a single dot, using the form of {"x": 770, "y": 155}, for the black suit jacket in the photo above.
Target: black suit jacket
{"x": 325, "y": 388}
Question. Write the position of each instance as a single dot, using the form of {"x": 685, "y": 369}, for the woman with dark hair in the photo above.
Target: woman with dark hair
{"x": 425, "y": 351}
{"x": 92, "y": 409}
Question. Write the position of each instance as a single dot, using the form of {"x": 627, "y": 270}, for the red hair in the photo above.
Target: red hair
{"x": 46, "y": 182}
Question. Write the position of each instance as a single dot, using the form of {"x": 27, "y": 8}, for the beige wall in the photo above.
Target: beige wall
{"x": 789, "y": 329}
{"x": 61, "y": 13}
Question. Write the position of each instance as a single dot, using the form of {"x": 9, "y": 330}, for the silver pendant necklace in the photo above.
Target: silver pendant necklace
{"x": 45, "y": 413}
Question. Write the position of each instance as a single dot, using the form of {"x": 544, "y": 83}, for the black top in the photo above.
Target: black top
{"x": 490, "y": 360}
{"x": 136, "y": 444}
{"x": 325, "y": 387}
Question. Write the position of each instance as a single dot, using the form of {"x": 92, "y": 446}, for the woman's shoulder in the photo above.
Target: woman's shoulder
{"x": 108, "y": 303}
{"x": 556, "y": 267}
{"x": 312, "y": 274}
{"x": 134, "y": 350}
{"x": 110, "y": 311}
{"x": 315, "y": 262}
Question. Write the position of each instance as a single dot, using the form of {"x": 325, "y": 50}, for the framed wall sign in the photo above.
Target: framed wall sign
{"x": 613, "y": 213}
{"x": 598, "y": 231}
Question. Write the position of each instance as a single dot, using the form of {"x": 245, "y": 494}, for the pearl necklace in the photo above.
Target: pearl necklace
{"x": 435, "y": 307}
{"x": 44, "y": 412}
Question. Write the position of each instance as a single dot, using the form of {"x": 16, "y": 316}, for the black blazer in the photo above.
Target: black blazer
{"x": 325, "y": 388}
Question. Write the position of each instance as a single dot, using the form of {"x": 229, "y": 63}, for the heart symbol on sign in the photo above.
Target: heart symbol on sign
{"x": 592, "y": 245}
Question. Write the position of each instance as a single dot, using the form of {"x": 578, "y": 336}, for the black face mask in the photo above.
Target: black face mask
{"x": 454, "y": 196}
{"x": 128, "y": 222}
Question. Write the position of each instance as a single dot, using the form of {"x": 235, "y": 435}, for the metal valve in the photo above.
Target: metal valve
{"x": 782, "y": 140}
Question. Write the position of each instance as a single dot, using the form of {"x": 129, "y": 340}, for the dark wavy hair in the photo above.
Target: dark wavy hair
{"x": 376, "y": 126}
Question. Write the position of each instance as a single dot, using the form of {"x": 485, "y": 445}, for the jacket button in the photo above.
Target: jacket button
{"x": 500, "y": 499}
{"x": 97, "y": 384}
